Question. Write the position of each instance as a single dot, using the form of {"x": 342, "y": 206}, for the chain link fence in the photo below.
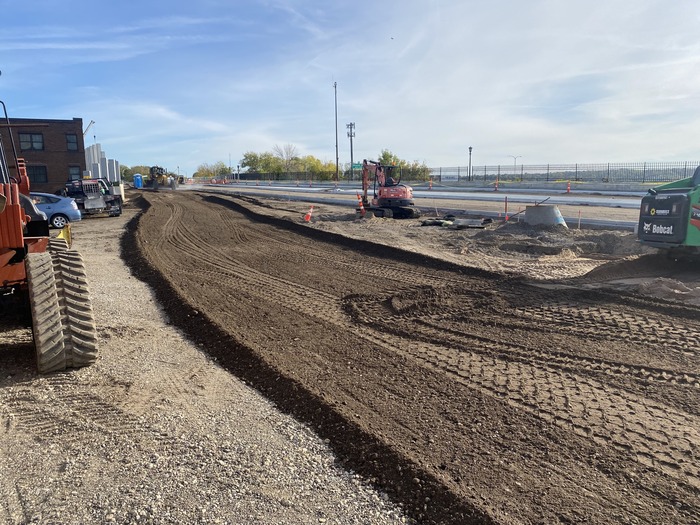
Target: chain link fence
{"x": 618, "y": 172}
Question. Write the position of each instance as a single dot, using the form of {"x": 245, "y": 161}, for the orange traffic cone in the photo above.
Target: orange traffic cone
{"x": 568, "y": 187}
{"x": 362, "y": 206}
{"x": 307, "y": 217}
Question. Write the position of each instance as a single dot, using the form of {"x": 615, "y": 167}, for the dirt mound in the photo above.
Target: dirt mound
{"x": 671, "y": 289}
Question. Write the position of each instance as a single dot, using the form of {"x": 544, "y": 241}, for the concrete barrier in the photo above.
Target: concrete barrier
{"x": 544, "y": 215}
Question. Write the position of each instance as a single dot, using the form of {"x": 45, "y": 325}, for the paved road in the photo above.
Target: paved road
{"x": 614, "y": 211}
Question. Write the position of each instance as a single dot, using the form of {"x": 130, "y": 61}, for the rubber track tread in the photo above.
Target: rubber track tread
{"x": 57, "y": 244}
{"x": 46, "y": 317}
{"x": 80, "y": 334}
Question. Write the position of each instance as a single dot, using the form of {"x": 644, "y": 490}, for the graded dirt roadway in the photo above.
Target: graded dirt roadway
{"x": 468, "y": 396}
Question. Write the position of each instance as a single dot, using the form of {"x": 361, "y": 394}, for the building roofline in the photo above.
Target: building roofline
{"x": 28, "y": 120}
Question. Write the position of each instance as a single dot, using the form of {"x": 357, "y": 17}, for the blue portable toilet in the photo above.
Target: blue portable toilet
{"x": 138, "y": 181}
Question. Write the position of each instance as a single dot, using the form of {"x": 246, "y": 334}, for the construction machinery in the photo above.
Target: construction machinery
{"x": 158, "y": 177}
{"x": 669, "y": 217}
{"x": 95, "y": 196}
{"x": 42, "y": 274}
{"x": 390, "y": 198}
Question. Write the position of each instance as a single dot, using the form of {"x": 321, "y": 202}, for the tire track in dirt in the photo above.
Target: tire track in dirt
{"x": 568, "y": 361}
{"x": 537, "y": 382}
{"x": 13, "y": 507}
{"x": 224, "y": 265}
{"x": 390, "y": 269}
{"x": 222, "y": 268}
{"x": 613, "y": 325}
{"x": 179, "y": 235}
{"x": 388, "y": 272}
{"x": 73, "y": 418}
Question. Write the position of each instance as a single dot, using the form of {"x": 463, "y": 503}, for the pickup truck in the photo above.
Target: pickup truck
{"x": 94, "y": 196}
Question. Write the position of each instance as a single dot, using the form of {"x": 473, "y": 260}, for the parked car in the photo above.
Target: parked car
{"x": 59, "y": 210}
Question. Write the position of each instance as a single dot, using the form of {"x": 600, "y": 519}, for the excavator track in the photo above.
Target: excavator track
{"x": 46, "y": 316}
{"x": 77, "y": 318}
{"x": 57, "y": 244}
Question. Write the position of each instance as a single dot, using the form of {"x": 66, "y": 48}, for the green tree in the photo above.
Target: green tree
{"x": 416, "y": 171}
{"x": 409, "y": 171}
{"x": 262, "y": 162}
{"x": 211, "y": 171}
{"x": 269, "y": 163}
{"x": 251, "y": 160}
{"x": 387, "y": 158}
{"x": 327, "y": 171}
{"x": 309, "y": 164}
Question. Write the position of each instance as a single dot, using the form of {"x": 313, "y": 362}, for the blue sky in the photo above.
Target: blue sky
{"x": 180, "y": 83}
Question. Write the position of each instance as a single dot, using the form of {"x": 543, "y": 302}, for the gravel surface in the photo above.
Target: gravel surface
{"x": 155, "y": 431}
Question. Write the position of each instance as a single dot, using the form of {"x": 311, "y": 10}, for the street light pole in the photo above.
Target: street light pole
{"x": 335, "y": 94}
{"x": 351, "y": 134}
{"x": 515, "y": 158}
{"x": 469, "y": 171}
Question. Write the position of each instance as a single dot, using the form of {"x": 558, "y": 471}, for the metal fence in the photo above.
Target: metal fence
{"x": 618, "y": 172}
{"x": 613, "y": 172}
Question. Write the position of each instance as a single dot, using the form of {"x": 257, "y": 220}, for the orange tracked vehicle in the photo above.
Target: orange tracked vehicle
{"x": 391, "y": 199}
{"x": 43, "y": 274}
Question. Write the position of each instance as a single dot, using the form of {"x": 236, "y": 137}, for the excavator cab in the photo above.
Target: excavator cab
{"x": 389, "y": 178}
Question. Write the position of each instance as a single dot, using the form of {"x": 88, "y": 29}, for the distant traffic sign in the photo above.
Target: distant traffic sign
{"x": 357, "y": 166}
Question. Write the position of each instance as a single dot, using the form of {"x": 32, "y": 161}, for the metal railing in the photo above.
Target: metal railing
{"x": 611, "y": 172}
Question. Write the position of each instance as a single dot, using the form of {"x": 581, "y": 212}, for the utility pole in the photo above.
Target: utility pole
{"x": 335, "y": 94}
{"x": 515, "y": 167}
{"x": 351, "y": 134}
{"x": 469, "y": 173}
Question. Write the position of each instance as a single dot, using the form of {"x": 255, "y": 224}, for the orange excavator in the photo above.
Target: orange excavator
{"x": 391, "y": 199}
{"x": 42, "y": 273}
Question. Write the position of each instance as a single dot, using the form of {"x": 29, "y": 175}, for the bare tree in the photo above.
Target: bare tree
{"x": 287, "y": 154}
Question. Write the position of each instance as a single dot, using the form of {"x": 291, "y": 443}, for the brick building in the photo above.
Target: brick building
{"x": 53, "y": 150}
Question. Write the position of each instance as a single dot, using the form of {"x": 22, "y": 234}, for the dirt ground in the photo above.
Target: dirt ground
{"x": 501, "y": 375}
{"x": 506, "y": 375}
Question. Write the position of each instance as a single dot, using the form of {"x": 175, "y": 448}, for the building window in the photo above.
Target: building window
{"x": 31, "y": 141}
{"x": 37, "y": 174}
{"x": 72, "y": 142}
{"x": 74, "y": 173}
